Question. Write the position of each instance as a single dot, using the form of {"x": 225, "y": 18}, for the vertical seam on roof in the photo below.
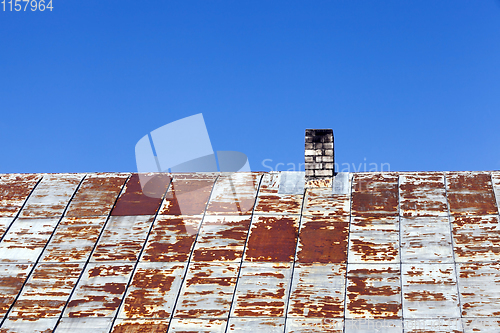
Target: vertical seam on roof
{"x": 347, "y": 251}
{"x": 171, "y": 318}
{"x": 400, "y": 256}
{"x": 90, "y": 255}
{"x": 243, "y": 254}
{"x": 44, "y": 247}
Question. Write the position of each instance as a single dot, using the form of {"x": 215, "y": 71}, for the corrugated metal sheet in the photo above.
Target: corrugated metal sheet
{"x": 476, "y": 238}
{"x": 14, "y": 190}
{"x": 12, "y": 277}
{"x": 187, "y": 196}
{"x": 222, "y": 238}
{"x": 140, "y": 326}
{"x": 272, "y": 238}
{"x": 262, "y": 290}
{"x": 197, "y": 326}
{"x": 310, "y": 325}
{"x": 252, "y": 325}
{"x": 207, "y": 291}
{"x": 422, "y": 194}
{"x": 318, "y": 291}
{"x": 471, "y": 193}
{"x": 51, "y": 195}
{"x": 373, "y": 291}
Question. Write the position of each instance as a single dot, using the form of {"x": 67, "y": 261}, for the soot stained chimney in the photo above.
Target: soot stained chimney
{"x": 319, "y": 154}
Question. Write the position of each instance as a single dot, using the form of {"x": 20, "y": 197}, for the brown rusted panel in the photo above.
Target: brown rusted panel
{"x": 207, "y": 291}
{"x": 187, "y": 197}
{"x": 84, "y": 325}
{"x": 97, "y": 195}
{"x": 426, "y": 240}
{"x": 252, "y": 325}
{"x": 313, "y": 325}
{"x": 423, "y": 194}
{"x": 12, "y": 277}
{"x": 476, "y": 238}
{"x": 278, "y": 204}
{"x": 479, "y": 285}
{"x": 323, "y": 240}
{"x": 40, "y": 325}
{"x": 262, "y": 290}
{"x": 135, "y": 201}
{"x": 99, "y": 291}
{"x": 373, "y": 291}
{"x": 318, "y": 183}
{"x": 430, "y": 291}
{"x": 46, "y": 292}
{"x": 318, "y": 291}
{"x": 495, "y": 178}
{"x": 434, "y": 325}
{"x": 375, "y": 195}
{"x": 191, "y": 325}
{"x": 25, "y": 240}
{"x": 374, "y": 240}
{"x": 222, "y": 238}
{"x": 171, "y": 238}
{"x": 14, "y": 189}
{"x": 123, "y": 238}
{"x": 74, "y": 239}
{"x": 272, "y": 238}
{"x": 51, "y": 196}
{"x": 321, "y": 202}
{"x": 471, "y": 193}
{"x": 153, "y": 290}
{"x": 140, "y": 326}
{"x": 234, "y": 194}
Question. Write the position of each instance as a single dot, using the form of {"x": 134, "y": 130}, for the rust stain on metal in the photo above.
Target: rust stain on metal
{"x": 270, "y": 183}
{"x": 171, "y": 238}
{"x": 140, "y": 326}
{"x": 272, "y": 238}
{"x": 187, "y": 197}
{"x": 373, "y": 291}
{"x": 321, "y": 202}
{"x": 136, "y": 201}
{"x": 250, "y": 325}
{"x": 471, "y": 193}
{"x": 97, "y": 195}
{"x": 153, "y": 290}
{"x": 99, "y": 291}
{"x": 476, "y": 238}
{"x": 278, "y": 204}
{"x": 318, "y": 183}
{"x": 375, "y": 195}
{"x": 234, "y": 194}
{"x": 15, "y": 325}
{"x": 46, "y": 291}
{"x": 123, "y": 238}
{"x": 207, "y": 291}
{"x": 192, "y": 325}
{"x": 51, "y": 196}
{"x": 310, "y": 325}
{"x": 423, "y": 194}
{"x": 323, "y": 240}
{"x": 222, "y": 238}
{"x": 12, "y": 277}
{"x": 318, "y": 291}
{"x": 14, "y": 189}
{"x": 262, "y": 290}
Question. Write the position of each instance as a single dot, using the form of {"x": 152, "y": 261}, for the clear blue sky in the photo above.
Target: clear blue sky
{"x": 412, "y": 83}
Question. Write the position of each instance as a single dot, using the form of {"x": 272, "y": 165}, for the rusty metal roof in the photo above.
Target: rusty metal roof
{"x": 250, "y": 252}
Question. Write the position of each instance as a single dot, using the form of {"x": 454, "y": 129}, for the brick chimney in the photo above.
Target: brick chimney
{"x": 319, "y": 154}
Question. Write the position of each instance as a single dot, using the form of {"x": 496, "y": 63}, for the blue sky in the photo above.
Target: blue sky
{"x": 415, "y": 84}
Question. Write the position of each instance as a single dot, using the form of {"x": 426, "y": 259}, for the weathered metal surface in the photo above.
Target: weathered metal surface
{"x": 171, "y": 238}
{"x": 374, "y": 240}
{"x": 234, "y": 194}
{"x": 140, "y": 326}
{"x": 195, "y": 175}
{"x": 495, "y": 178}
{"x": 135, "y": 201}
{"x": 262, "y": 290}
{"x": 43, "y": 325}
{"x": 123, "y": 238}
{"x": 25, "y": 240}
{"x": 197, "y": 326}
{"x": 341, "y": 183}
{"x": 481, "y": 325}
{"x": 207, "y": 291}
{"x": 375, "y": 195}
{"x": 270, "y": 183}
{"x": 310, "y": 325}
{"x": 434, "y": 325}
{"x": 373, "y": 291}
{"x": 322, "y": 202}
{"x": 471, "y": 193}
{"x": 272, "y": 238}
{"x": 374, "y": 326}
{"x": 14, "y": 189}
{"x": 153, "y": 290}
{"x": 97, "y": 194}
{"x": 46, "y": 291}
{"x": 252, "y": 325}
{"x": 317, "y": 183}
{"x": 278, "y": 204}
{"x": 84, "y": 325}
{"x": 426, "y": 240}
{"x": 479, "y": 285}
{"x": 222, "y": 238}
{"x": 187, "y": 197}
{"x": 323, "y": 240}
{"x": 292, "y": 182}
{"x": 422, "y": 194}
{"x": 12, "y": 277}
{"x": 99, "y": 291}
{"x": 318, "y": 291}
{"x": 73, "y": 239}
{"x": 430, "y": 291}
{"x": 4, "y": 224}
{"x": 476, "y": 238}
{"x": 51, "y": 196}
